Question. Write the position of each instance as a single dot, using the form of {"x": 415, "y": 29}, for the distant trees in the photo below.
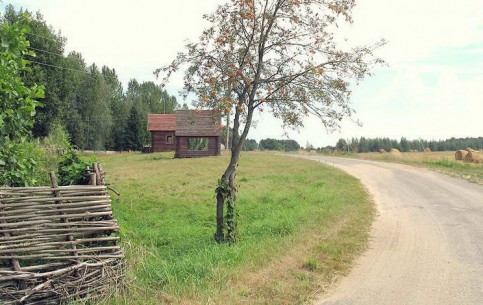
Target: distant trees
{"x": 89, "y": 102}
{"x": 363, "y": 144}
{"x": 341, "y": 145}
{"x": 281, "y": 145}
{"x": 250, "y": 145}
{"x": 134, "y": 132}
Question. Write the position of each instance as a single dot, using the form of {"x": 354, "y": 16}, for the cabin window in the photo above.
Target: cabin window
{"x": 198, "y": 144}
{"x": 169, "y": 140}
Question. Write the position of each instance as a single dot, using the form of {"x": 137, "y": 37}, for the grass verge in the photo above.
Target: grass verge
{"x": 301, "y": 224}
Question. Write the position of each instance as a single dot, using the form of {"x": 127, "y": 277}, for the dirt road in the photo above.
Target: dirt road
{"x": 427, "y": 241}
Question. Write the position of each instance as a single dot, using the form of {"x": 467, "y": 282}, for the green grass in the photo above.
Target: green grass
{"x": 301, "y": 226}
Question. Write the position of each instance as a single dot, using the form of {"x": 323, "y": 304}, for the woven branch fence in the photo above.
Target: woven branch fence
{"x": 57, "y": 244}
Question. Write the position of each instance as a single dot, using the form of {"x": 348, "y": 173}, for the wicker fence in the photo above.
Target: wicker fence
{"x": 57, "y": 244}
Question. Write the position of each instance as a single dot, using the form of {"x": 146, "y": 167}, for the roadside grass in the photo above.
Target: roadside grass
{"x": 301, "y": 223}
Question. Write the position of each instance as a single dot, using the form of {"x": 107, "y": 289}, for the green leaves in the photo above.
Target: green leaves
{"x": 17, "y": 107}
{"x": 72, "y": 169}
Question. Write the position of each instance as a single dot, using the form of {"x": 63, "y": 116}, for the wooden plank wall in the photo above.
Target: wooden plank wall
{"x": 158, "y": 140}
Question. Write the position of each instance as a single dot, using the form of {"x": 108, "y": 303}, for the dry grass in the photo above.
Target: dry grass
{"x": 438, "y": 161}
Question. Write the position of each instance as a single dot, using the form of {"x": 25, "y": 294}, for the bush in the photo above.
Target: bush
{"x": 71, "y": 169}
{"x": 17, "y": 163}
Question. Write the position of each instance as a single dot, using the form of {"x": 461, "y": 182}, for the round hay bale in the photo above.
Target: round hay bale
{"x": 474, "y": 157}
{"x": 460, "y": 154}
{"x": 382, "y": 151}
{"x": 427, "y": 150}
{"x": 395, "y": 151}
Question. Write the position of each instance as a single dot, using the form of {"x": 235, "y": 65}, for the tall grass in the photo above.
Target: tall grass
{"x": 293, "y": 210}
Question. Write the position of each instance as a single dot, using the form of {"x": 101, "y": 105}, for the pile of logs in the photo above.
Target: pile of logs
{"x": 58, "y": 244}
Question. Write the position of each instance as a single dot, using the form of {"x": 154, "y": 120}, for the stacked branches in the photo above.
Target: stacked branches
{"x": 57, "y": 244}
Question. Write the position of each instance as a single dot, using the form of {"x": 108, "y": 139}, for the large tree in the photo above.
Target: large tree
{"x": 49, "y": 48}
{"x": 276, "y": 55}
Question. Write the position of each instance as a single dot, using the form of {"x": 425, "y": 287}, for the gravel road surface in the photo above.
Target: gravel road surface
{"x": 427, "y": 241}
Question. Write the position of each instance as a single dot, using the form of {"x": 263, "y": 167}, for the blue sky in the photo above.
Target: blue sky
{"x": 432, "y": 87}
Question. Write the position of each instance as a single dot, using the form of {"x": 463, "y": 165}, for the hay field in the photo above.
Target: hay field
{"x": 438, "y": 161}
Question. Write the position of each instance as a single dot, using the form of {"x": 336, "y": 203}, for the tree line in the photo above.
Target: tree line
{"x": 88, "y": 101}
{"x": 264, "y": 144}
{"x": 363, "y": 144}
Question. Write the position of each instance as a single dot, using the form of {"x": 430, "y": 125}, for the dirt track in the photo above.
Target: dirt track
{"x": 427, "y": 242}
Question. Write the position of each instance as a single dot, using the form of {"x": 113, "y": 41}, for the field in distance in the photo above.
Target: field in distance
{"x": 438, "y": 161}
{"x": 301, "y": 223}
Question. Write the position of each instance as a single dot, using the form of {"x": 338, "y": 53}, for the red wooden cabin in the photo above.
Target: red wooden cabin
{"x": 162, "y": 128}
{"x": 194, "y": 133}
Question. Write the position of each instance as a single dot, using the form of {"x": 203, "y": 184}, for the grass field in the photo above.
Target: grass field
{"x": 438, "y": 161}
{"x": 301, "y": 224}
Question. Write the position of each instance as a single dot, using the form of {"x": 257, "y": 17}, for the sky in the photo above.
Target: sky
{"x": 431, "y": 88}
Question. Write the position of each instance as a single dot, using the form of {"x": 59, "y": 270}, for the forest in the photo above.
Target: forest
{"x": 363, "y": 144}
{"x": 87, "y": 101}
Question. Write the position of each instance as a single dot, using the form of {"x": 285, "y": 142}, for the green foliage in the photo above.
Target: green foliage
{"x": 71, "y": 169}
{"x": 231, "y": 234}
{"x": 364, "y": 145}
{"x": 312, "y": 264}
{"x": 341, "y": 145}
{"x": 17, "y": 106}
{"x": 198, "y": 144}
{"x": 42, "y": 37}
{"x": 145, "y": 98}
{"x": 16, "y": 164}
{"x": 87, "y": 100}
{"x": 250, "y": 145}
{"x": 134, "y": 132}
{"x": 442, "y": 163}
{"x": 280, "y": 145}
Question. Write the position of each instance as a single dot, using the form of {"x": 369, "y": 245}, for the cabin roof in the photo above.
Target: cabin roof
{"x": 197, "y": 123}
{"x": 161, "y": 122}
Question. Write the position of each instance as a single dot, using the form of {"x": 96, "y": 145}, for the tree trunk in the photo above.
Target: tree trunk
{"x": 226, "y": 230}
{"x": 220, "y": 202}
{"x": 226, "y": 190}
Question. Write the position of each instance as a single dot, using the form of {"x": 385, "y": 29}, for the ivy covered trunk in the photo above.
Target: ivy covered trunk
{"x": 226, "y": 223}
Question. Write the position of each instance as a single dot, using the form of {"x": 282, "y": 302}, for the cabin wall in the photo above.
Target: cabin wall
{"x": 159, "y": 141}
{"x": 183, "y": 152}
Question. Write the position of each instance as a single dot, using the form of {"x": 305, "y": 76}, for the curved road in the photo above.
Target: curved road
{"x": 427, "y": 241}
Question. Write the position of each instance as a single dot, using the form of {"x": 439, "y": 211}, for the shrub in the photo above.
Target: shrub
{"x": 71, "y": 169}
